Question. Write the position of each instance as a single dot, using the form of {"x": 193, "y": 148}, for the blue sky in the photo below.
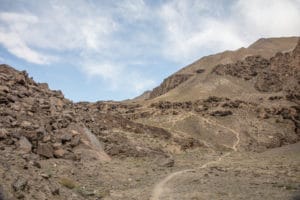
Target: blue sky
{"x": 113, "y": 50}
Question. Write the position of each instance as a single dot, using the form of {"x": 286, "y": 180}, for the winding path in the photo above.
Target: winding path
{"x": 160, "y": 189}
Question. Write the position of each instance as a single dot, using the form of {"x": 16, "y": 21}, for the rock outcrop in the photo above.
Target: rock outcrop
{"x": 279, "y": 73}
{"x": 169, "y": 84}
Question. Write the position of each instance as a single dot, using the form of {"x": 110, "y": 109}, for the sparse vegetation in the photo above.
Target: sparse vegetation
{"x": 85, "y": 192}
{"x": 101, "y": 193}
{"x": 68, "y": 183}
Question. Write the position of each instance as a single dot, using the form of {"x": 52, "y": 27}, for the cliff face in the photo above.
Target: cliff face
{"x": 169, "y": 84}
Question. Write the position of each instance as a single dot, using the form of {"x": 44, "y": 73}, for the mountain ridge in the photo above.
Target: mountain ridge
{"x": 264, "y": 47}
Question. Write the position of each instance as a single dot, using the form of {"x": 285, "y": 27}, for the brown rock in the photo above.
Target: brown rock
{"x": 4, "y": 88}
{"x": 59, "y": 153}
{"x": 57, "y": 145}
{"x": 221, "y": 113}
{"x": 4, "y": 100}
{"x": 45, "y": 150}
{"x": 66, "y": 137}
{"x": 36, "y": 164}
{"x": 46, "y": 138}
{"x": 55, "y": 190}
{"x": 24, "y": 145}
{"x": 19, "y": 184}
{"x": 3, "y": 133}
{"x": 75, "y": 141}
{"x": 168, "y": 162}
{"x": 26, "y": 124}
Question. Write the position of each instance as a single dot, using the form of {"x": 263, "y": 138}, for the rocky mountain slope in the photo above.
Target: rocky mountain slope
{"x": 232, "y": 117}
{"x": 38, "y": 124}
{"x": 198, "y": 82}
{"x": 264, "y": 108}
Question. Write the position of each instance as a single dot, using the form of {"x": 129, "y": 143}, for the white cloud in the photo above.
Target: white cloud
{"x": 11, "y": 37}
{"x": 133, "y": 10}
{"x": 16, "y": 46}
{"x": 119, "y": 77}
{"x": 190, "y": 28}
{"x": 268, "y": 18}
{"x": 58, "y": 28}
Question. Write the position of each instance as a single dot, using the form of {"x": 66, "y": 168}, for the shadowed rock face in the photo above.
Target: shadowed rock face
{"x": 168, "y": 84}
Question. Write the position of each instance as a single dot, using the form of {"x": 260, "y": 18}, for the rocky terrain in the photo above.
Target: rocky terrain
{"x": 236, "y": 137}
{"x": 202, "y": 84}
{"x": 38, "y": 124}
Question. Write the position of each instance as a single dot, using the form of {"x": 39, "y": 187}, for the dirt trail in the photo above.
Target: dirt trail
{"x": 160, "y": 189}
{"x": 237, "y": 135}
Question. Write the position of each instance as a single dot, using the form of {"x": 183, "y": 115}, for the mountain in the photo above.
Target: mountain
{"x": 196, "y": 81}
{"x": 237, "y": 95}
{"x": 225, "y": 127}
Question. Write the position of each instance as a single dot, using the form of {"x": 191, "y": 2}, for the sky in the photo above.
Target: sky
{"x": 114, "y": 50}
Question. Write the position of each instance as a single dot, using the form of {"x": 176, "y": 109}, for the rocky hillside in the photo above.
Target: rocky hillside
{"x": 38, "y": 124}
{"x": 43, "y": 118}
{"x": 281, "y": 73}
{"x": 197, "y": 74}
{"x": 256, "y": 96}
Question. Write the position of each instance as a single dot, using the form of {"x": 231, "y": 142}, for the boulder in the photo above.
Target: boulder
{"x": 75, "y": 141}
{"x": 24, "y": 145}
{"x": 3, "y": 133}
{"x": 45, "y": 150}
{"x": 59, "y": 153}
{"x": 4, "y": 89}
{"x": 4, "y": 100}
{"x": 167, "y": 162}
{"x": 66, "y": 137}
{"x": 221, "y": 113}
{"x": 26, "y": 124}
{"x": 19, "y": 184}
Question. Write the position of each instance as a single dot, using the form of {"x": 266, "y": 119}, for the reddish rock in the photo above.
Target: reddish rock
{"x": 59, "y": 153}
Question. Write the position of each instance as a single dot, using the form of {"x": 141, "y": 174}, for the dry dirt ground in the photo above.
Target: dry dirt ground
{"x": 199, "y": 174}
{"x": 270, "y": 175}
